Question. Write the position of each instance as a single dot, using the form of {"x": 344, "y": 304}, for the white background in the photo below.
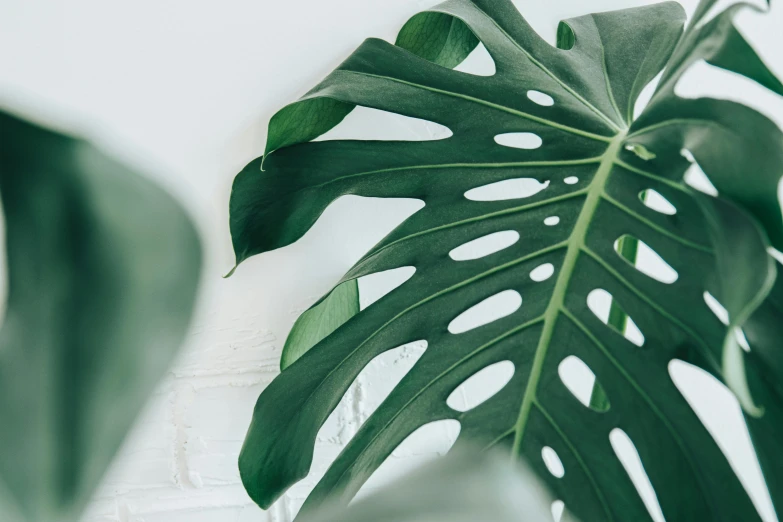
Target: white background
{"x": 184, "y": 89}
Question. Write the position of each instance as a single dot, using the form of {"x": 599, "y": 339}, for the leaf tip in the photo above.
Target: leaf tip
{"x": 231, "y": 272}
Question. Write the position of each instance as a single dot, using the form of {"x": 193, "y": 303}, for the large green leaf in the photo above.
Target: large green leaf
{"x": 598, "y": 164}
{"x": 102, "y": 272}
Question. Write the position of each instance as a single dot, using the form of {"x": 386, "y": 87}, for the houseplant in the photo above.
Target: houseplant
{"x": 599, "y": 167}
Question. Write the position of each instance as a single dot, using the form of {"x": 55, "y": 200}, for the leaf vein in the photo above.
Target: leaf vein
{"x": 645, "y": 397}
{"x": 525, "y": 115}
{"x": 656, "y": 227}
{"x": 578, "y": 457}
{"x": 708, "y": 355}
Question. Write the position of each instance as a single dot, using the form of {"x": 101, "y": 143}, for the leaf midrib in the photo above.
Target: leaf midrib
{"x": 576, "y": 242}
{"x": 698, "y": 471}
{"x": 576, "y": 245}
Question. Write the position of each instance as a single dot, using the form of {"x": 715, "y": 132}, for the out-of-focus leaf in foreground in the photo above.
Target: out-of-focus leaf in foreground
{"x": 465, "y": 486}
{"x": 102, "y": 271}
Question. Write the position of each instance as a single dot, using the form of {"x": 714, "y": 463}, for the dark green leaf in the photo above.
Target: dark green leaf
{"x": 597, "y": 163}
{"x": 102, "y": 272}
{"x": 321, "y": 320}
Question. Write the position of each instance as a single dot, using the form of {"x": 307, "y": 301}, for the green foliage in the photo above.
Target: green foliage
{"x": 102, "y": 273}
{"x": 321, "y": 320}
{"x": 599, "y": 163}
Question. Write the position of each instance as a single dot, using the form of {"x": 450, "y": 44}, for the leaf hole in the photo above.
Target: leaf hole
{"x": 372, "y": 287}
{"x": 600, "y": 303}
{"x": 481, "y": 386}
{"x": 571, "y": 180}
{"x": 695, "y": 177}
{"x": 552, "y": 461}
{"x": 551, "y": 221}
{"x": 540, "y": 98}
{"x": 580, "y": 381}
{"x": 653, "y": 200}
{"x": 646, "y": 95}
{"x": 487, "y": 311}
{"x": 565, "y": 38}
{"x": 519, "y": 140}
{"x": 484, "y": 246}
{"x": 774, "y": 252}
{"x": 739, "y": 335}
{"x": 516, "y": 188}
{"x": 628, "y": 456}
{"x": 542, "y": 272}
{"x": 716, "y": 308}
{"x": 648, "y": 261}
{"x": 558, "y": 506}
{"x": 723, "y": 316}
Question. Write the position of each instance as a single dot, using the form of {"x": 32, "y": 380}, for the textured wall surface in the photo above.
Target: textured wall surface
{"x": 186, "y": 87}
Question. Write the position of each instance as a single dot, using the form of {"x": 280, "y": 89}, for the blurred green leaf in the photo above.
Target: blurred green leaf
{"x": 102, "y": 273}
{"x": 465, "y": 486}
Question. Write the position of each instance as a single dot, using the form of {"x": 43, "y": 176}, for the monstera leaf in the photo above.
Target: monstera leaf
{"x": 102, "y": 270}
{"x": 599, "y": 169}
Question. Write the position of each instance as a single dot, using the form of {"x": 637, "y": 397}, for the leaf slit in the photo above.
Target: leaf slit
{"x": 628, "y": 456}
{"x": 487, "y": 311}
{"x": 580, "y": 380}
{"x": 600, "y": 301}
{"x": 481, "y": 386}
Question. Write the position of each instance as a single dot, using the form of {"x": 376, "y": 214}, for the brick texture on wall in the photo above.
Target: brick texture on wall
{"x": 180, "y": 462}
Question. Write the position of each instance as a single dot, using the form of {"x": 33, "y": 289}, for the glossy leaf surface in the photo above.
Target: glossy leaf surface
{"x": 596, "y": 164}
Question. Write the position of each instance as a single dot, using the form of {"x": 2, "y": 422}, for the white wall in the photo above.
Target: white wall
{"x": 186, "y": 87}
